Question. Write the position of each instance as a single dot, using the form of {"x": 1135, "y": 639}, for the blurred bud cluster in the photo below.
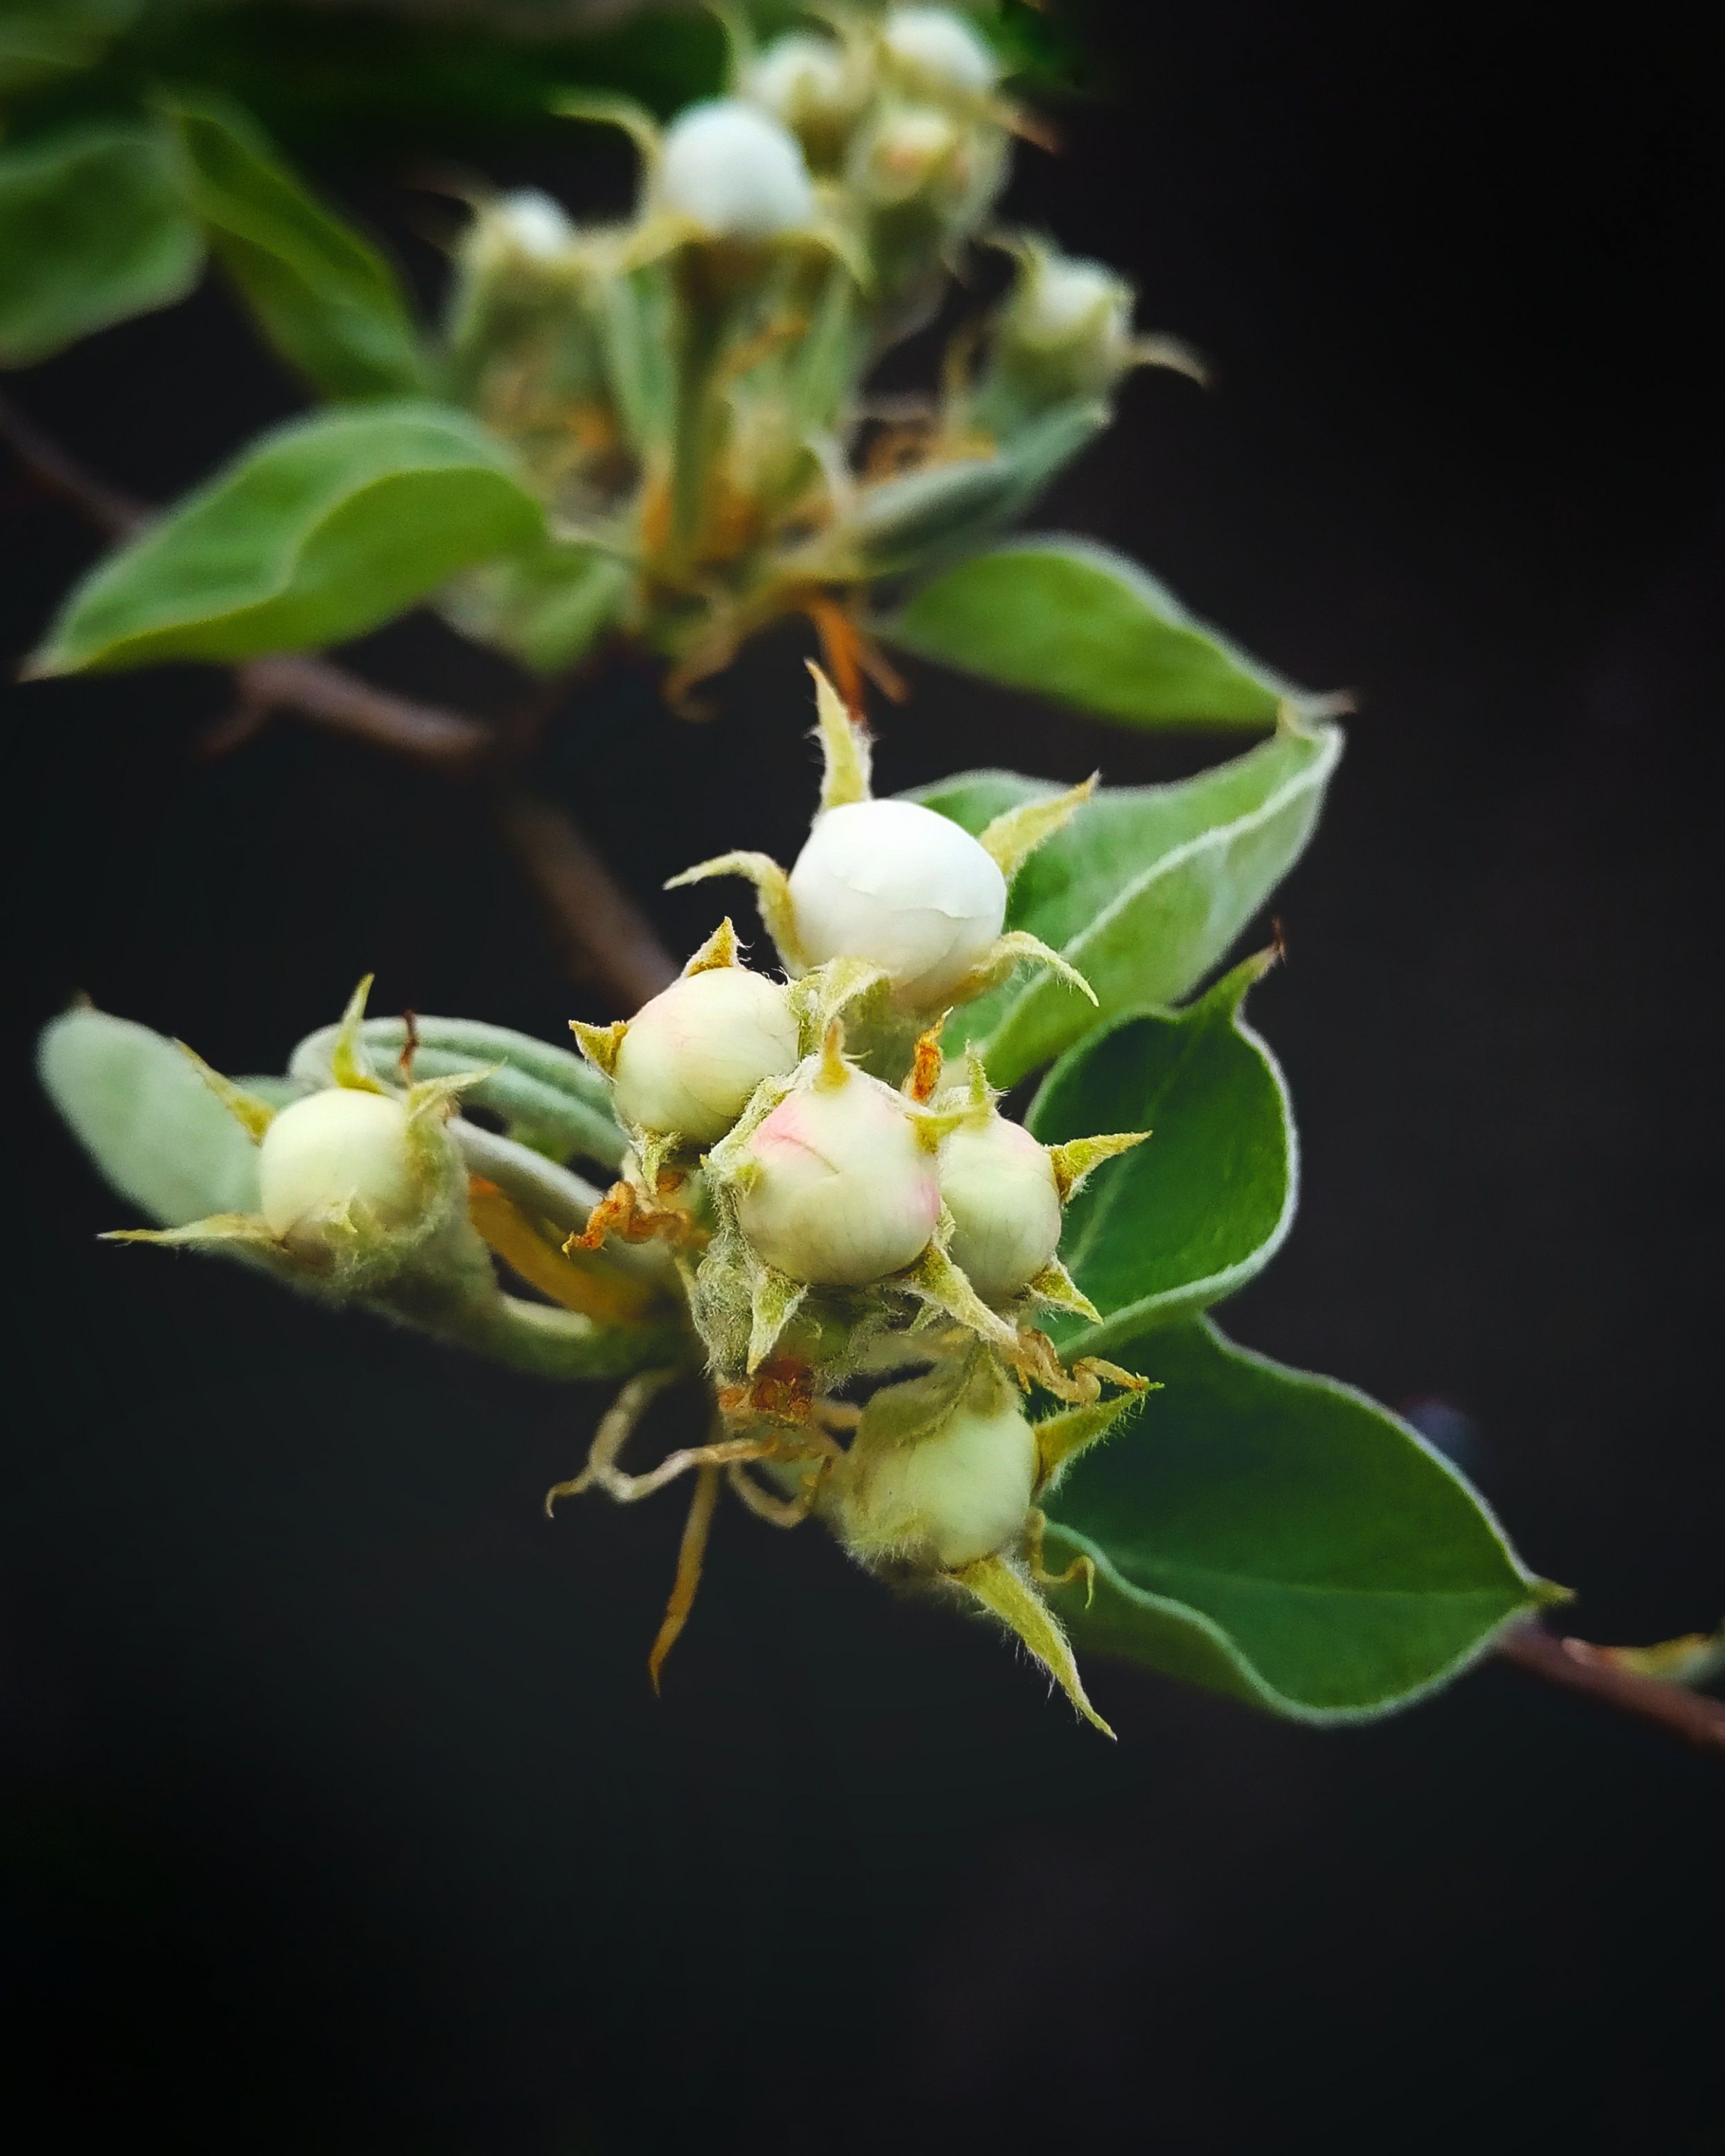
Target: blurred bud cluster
{"x": 690, "y": 388}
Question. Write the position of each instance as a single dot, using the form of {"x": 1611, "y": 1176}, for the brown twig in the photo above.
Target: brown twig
{"x": 606, "y": 935}
{"x": 330, "y": 696}
{"x": 1594, "y": 1673}
{"x": 56, "y": 473}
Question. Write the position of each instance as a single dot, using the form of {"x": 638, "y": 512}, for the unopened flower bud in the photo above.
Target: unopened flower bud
{"x": 944, "y": 1500}
{"x": 1069, "y": 323}
{"x": 836, "y": 1187}
{"x": 918, "y": 157}
{"x": 693, "y": 1056}
{"x": 935, "y": 50}
{"x": 337, "y": 1149}
{"x": 1000, "y": 1186}
{"x": 531, "y": 223}
{"x": 735, "y": 172}
{"x": 809, "y": 85}
{"x": 909, "y": 890}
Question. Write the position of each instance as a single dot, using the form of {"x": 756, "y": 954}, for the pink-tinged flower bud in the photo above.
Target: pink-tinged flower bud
{"x": 337, "y": 1149}
{"x": 836, "y": 1187}
{"x": 735, "y": 172}
{"x": 692, "y": 1056}
{"x": 935, "y": 50}
{"x": 1000, "y": 1187}
{"x": 944, "y": 1500}
{"x": 909, "y": 890}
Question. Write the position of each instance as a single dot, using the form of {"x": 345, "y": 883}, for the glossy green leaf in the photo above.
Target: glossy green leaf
{"x": 550, "y": 1097}
{"x": 1280, "y": 1538}
{"x": 138, "y": 1107}
{"x": 323, "y": 295}
{"x": 1194, "y": 1214}
{"x": 92, "y": 229}
{"x": 1144, "y": 890}
{"x": 322, "y": 529}
{"x": 548, "y": 608}
{"x": 1086, "y": 626}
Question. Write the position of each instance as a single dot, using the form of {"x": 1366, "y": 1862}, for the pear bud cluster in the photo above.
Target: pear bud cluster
{"x": 685, "y": 387}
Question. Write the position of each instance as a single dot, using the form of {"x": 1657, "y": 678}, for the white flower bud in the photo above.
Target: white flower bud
{"x": 939, "y": 51}
{"x": 912, "y": 150}
{"x": 336, "y": 1148}
{"x": 1000, "y": 1187}
{"x": 806, "y": 82}
{"x": 896, "y": 883}
{"x": 693, "y": 1056}
{"x": 1071, "y": 321}
{"x": 957, "y": 1495}
{"x": 735, "y": 172}
{"x": 532, "y": 223}
{"x": 836, "y": 1187}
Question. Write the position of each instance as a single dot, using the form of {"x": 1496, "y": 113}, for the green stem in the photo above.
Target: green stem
{"x": 700, "y": 410}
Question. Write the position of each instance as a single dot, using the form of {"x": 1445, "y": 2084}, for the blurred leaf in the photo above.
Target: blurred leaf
{"x": 92, "y": 229}
{"x": 638, "y": 337}
{"x": 155, "y": 1129}
{"x": 42, "y": 41}
{"x": 323, "y": 296}
{"x": 550, "y": 1097}
{"x": 925, "y": 516}
{"x": 547, "y": 608}
{"x": 1178, "y": 1223}
{"x": 1088, "y": 628}
{"x": 1144, "y": 890}
{"x": 323, "y": 528}
{"x": 1280, "y": 1538}
{"x": 434, "y": 81}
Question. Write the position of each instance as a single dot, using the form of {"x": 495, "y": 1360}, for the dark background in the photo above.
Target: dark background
{"x": 338, "y": 1814}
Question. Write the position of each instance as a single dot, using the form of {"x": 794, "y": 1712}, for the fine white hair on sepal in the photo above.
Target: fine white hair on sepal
{"x": 999, "y": 1184}
{"x": 836, "y": 1187}
{"x": 958, "y": 1493}
{"x": 335, "y": 1148}
{"x": 902, "y": 887}
{"x": 939, "y": 50}
{"x": 735, "y": 172}
{"x": 692, "y": 1056}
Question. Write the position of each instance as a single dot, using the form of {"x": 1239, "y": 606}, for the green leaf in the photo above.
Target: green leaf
{"x": 547, "y": 608}
{"x": 638, "y": 340}
{"x": 324, "y": 297}
{"x": 1084, "y": 625}
{"x": 43, "y": 41}
{"x": 92, "y": 230}
{"x": 155, "y": 1129}
{"x": 1144, "y": 890}
{"x": 322, "y": 529}
{"x": 907, "y": 523}
{"x": 1179, "y": 1222}
{"x": 1281, "y": 1538}
{"x": 549, "y": 1097}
